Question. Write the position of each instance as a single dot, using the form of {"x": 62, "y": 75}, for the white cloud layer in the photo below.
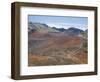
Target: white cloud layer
{"x": 68, "y": 25}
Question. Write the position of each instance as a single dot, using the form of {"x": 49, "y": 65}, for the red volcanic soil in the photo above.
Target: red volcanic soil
{"x": 57, "y": 49}
{"x": 40, "y": 35}
{"x": 36, "y": 34}
{"x": 62, "y": 42}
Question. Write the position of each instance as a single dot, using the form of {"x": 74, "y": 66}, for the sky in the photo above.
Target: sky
{"x": 60, "y": 21}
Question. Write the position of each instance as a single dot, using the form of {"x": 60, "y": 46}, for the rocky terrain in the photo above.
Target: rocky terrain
{"x": 56, "y": 46}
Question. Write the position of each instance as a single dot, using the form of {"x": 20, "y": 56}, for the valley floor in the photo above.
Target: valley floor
{"x": 56, "y": 49}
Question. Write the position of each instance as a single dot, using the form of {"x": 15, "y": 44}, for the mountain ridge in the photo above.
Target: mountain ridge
{"x": 42, "y": 27}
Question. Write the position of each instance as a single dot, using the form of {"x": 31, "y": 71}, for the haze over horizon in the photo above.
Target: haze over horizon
{"x": 61, "y": 21}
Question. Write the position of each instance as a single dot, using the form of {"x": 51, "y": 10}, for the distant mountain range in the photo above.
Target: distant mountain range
{"x": 40, "y": 27}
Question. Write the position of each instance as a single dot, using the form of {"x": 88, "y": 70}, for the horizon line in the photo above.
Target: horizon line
{"x": 67, "y": 26}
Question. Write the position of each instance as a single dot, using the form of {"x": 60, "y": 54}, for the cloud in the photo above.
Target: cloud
{"x": 68, "y": 25}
